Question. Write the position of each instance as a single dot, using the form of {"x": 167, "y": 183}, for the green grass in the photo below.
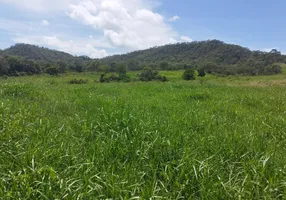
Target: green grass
{"x": 213, "y": 138}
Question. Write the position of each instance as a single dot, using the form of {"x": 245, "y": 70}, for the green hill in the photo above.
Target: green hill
{"x": 213, "y": 56}
{"x": 216, "y": 55}
{"x": 33, "y": 52}
{"x": 214, "y": 50}
{"x": 22, "y": 59}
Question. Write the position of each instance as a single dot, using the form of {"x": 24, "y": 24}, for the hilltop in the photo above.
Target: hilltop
{"x": 33, "y": 52}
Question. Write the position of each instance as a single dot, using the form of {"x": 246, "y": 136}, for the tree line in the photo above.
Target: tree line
{"x": 213, "y": 57}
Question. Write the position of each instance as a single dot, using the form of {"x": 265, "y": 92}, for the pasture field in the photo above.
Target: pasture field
{"x": 212, "y": 138}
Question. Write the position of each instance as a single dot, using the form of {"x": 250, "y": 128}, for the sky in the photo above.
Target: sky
{"x": 99, "y": 28}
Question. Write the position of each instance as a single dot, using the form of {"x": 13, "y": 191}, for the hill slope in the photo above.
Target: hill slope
{"x": 38, "y": 53}
{"x": 22, "y": 59}
{"x": 213, "y": 50}
{"x": 212, "y": 55}
{"x": 227, "y": 57}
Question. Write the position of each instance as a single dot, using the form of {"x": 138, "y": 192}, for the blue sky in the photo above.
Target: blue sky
{"x": 98, "y": 28}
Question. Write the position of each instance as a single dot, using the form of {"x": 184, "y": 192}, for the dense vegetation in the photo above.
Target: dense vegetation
{"x": 24, "y": 59}
{"x": 220, "y": 138}
{"x": 42, "y": 54}
{"x": 212, "y": 56}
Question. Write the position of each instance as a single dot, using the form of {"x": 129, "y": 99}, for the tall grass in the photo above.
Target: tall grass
{"x": 175, "y": 140}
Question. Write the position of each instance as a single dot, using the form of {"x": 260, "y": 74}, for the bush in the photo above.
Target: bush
{"x": 149, "y": 75}
{"x": 189, "y": 74}
{"x": 78, "y": 81}
{"x": 273, "y": 69}
{"x": 103, "y": 79}
{"x": 201, "y": 72}
{"x": 124, "y": 78}
{"x": 79, "y": 68}
{"x": 121, "y": 69}
{"x": 164, "y": 79}
{"x": 114, "y": 78}
{"x": 52, "y": 71}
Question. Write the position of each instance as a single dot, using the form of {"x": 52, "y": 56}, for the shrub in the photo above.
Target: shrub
{"x": 52, "y": 71}
{"x": 149, "y": 75}
{"x": 78, "y": 81}
{"x": 189, "y": 74}
{"x": 103, "y": 79}
{"x": 79, "y": 68}
{"x": 114, "y": 78}
{"x": 164, "y": 79}
{"x": 201, "y": 72}
{"x": 273, "y": 69}
{"x": 124, "y": 78}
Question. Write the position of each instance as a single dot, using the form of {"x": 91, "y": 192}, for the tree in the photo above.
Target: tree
{"x": 103, "y": 78}
{"x": 103, "y": 68}
{"x": 189, "y": 74}
{"x": 79, "y": 64}
{"x": 273, "y": 69}
{"x": 121, "y": 69}
{"x": 62, "y": 66}
{"x": 133, "y": 65}
{"x": 112, "y": 67}
{"x": 4, "y": 66}
{"x": 210, "y": 67}
{"x": 148, "y": 75}
{"x": 15, "y": 64}
{"x": 164, "y": 65}
{"x": 52, "y": 70}
{"x": 79, "y": 68}
{"x": 93, "y": 66}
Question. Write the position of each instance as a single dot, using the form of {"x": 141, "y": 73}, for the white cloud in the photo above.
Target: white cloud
{"x": 125, "y": 23}
{"x": 40, "y": 5}
{"x": 70, "y": 46}
{"x": 186, "y": 39}
{"x": 45, "y": 23}
{"x": 174, "y": 18}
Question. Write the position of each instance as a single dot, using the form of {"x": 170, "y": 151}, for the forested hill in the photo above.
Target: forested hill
{"x": 26, "y": 59}
{"x": 211, "y": 51}
{"x": 213, "y": 56}
{"x": 221, "y": 57}
{"x": 33, "y": 52}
